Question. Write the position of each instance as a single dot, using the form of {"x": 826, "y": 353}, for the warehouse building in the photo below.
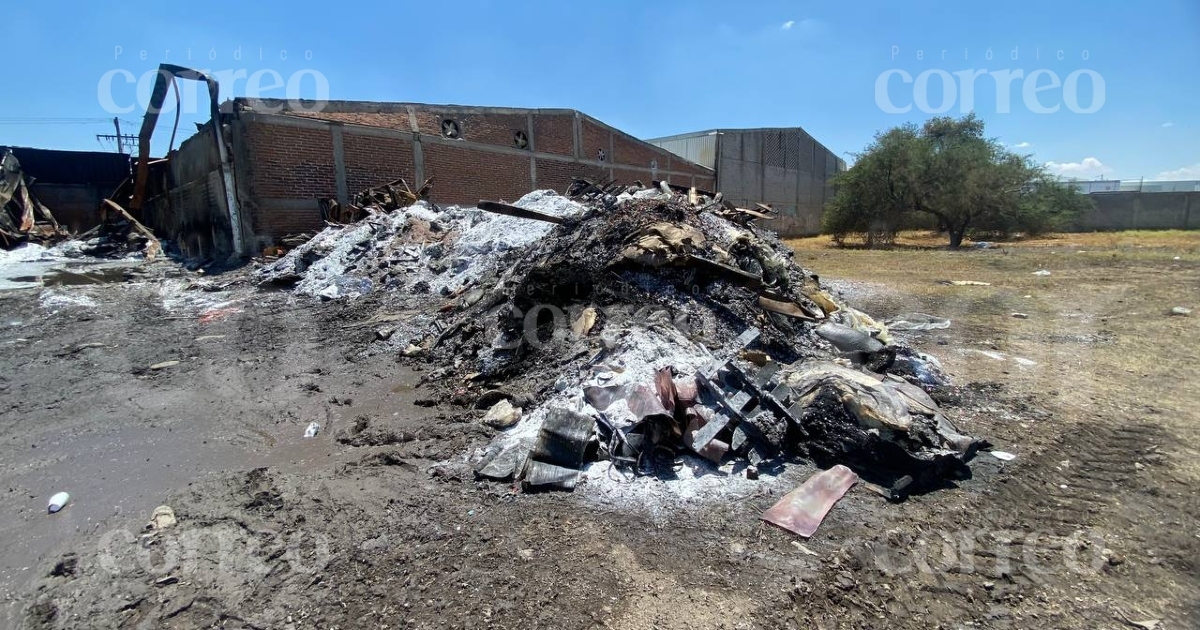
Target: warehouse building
{"x": 287, "y": 156}
{"x": 782, "y": 167}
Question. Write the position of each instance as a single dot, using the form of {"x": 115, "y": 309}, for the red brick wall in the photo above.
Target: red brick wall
{"x": 554, "y": 134}
{"x": 290, "y": 165}
{"x": 626, "y": 151}
{"x": 557, "y": 175}
{"x": 273, "y": 222}
{"x": 371, "y": 161}
{"x": 630, "y": 175}
{"x": 494, "y": 129}
{"x": 291, "y": 162}
{"x": 392, "y": 120}
{"x": 464, "y": 176}
{"x": 595, "y": 138}
{"x": 429, "y": 122}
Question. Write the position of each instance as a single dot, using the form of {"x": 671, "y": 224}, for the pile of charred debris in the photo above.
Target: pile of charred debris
{"x": 25, "y": 219}
{"x": 635, "y": 327}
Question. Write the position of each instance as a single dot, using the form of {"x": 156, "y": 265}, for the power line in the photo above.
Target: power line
{"x": 58, "y": 121}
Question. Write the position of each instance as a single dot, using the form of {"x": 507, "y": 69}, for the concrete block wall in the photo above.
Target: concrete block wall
{"x": 783, "y": 167}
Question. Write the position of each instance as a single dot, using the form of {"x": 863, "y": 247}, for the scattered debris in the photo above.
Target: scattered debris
{"x": 213, "y": 314}
{"x": 1181, "y": 311}
{"x": 1003, "y": 456}
{"x": 502, "y": 415}
{"x": 584, "y": 323}
{"x": 1020, "y": 316}
{"x": 312, "y": 429}
{"x": 1041, "y": 272}
{"x": 163, "y": 517}
{"x": 917, "y": 321}
{"x": 58, "y": 502}
{"x": 387, "y": 197}
{"x": 164, "y": 365}
{"x": 966, "y": 283}
{"x": 804, "y": 550}
{"x": 557, "y": 456}
{"x": 802, "y": 510}
{"x": 123, "y": 223}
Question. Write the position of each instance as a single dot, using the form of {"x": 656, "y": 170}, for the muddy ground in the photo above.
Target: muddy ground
{"x": 1093, "y": 525}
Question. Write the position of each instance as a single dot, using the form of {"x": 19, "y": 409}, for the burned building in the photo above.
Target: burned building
{"x": 287, "y": 156}
{"x": 72, "y": 183}
{"x": 783, "y": 167}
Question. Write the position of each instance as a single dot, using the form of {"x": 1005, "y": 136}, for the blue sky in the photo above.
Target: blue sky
{"x": 652, "y": 69}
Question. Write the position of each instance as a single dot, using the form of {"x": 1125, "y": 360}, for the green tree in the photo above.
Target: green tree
{"x": 950, "y": 171}
{"x": 873, "y": 201}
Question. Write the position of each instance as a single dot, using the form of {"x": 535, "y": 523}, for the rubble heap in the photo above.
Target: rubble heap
{"x": 638, "y": 325}
{"x": 23, "y": 219}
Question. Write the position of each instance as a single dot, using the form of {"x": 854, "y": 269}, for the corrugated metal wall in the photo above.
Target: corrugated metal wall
{"x": 701, "y": 149}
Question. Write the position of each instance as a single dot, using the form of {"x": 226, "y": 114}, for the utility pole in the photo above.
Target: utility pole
{"x": 121, "y": 140}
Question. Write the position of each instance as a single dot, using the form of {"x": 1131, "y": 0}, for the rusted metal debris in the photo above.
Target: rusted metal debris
{"x": 165, "y": 78}
{"x": 24, "y": 218}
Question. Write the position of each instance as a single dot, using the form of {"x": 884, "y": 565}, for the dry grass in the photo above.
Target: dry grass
{"x": 1187, "y": 241}
{"x": 1098, "y": 327}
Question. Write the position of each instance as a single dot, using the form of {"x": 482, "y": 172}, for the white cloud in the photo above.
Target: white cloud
{"x": 1022, "y": 145}
{"x": 1089, "y": 168}
{"x": 807, "y": 26}
{"x": 1168, "y": 124}
{"x": 1186, "y": 172}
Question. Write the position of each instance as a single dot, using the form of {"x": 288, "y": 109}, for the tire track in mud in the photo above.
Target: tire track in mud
{"x": 1098, "y": 464}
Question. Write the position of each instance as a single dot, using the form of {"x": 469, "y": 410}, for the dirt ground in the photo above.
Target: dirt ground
{"x": 1093, "y": 525}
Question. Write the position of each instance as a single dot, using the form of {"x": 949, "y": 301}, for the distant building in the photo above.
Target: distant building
{"x": 782, "y": 167}
{"x": 1135, "y": 185}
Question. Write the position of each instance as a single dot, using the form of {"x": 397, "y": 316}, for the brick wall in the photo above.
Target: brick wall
{"x": 373, "y": 160}
{"x": 288, "y": 161}
{"x": 497, "y": 129}
{"x": 286, "y": 164}
{"x": 595, "y": 139}
{"x": 554, "y": 134}
{"x": 465, "y": 176}
{"x": 630, "y": 175}
{"x": 291, "y": 162}
{"x": 558, "y": 174}
{"x": 386, "y": 120}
